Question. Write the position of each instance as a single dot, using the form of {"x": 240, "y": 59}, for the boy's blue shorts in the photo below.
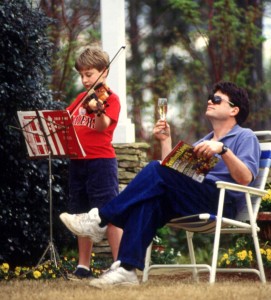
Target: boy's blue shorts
{"x": 92, "y": 183}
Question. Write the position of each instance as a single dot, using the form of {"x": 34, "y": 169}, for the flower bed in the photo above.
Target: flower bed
{"x": 47, "y": 270}
{"x": 242, "y": 255}
{"x": 266, "y": 200}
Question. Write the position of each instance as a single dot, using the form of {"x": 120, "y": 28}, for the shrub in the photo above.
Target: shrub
{"x": 24, "y": 66}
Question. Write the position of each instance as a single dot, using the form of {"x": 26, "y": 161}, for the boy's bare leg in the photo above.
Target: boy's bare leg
{"x": 84, "y": 251}
{"x": 114, "y": 235}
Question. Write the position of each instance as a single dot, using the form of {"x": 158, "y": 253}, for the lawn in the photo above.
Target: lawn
{"x": 169, "y": 285}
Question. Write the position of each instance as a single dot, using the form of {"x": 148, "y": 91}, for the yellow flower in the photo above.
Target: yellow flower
{"x": 250, "y": 256}
{"x": 266, "y": 201}
{"x": 4, "y": 267}
{"x": 37, "y": 274}
{"x": 267, "y": 197}
{"x": 242, "y": 255}
{"x": 224, "y": 257}
{"x": 263, "y": 252}
{"x": 18, "y": 271}
{"x": 268, "y": 254}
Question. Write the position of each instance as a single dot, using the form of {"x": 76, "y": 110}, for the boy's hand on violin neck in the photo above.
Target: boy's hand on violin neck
{"x": 94, "y": 104}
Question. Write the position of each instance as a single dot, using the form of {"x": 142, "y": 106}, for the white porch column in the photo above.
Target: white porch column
{"x": 113, "y": 38}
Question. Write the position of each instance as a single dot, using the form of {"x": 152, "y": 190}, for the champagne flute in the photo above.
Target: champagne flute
{"x": 162, "y": 110}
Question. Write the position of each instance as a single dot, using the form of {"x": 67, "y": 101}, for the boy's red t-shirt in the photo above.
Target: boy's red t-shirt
{"x": 96, "y": 144}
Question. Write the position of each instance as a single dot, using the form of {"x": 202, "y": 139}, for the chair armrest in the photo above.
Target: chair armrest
{"x": 240, "y": 188}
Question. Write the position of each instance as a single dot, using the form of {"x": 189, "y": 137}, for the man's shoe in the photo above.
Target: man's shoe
{"x": 116, "y": 275}
{"x": 79, "y": 274}
{"x": 86, "y": 224}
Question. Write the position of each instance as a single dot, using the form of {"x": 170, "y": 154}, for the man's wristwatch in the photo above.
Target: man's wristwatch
{"x": 224, "y": 150}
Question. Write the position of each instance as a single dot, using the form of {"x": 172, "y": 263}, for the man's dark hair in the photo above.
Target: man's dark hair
{"x": 236, "y": 95}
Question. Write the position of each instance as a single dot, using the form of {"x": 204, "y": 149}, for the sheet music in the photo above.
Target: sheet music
{"x": 49, "y": 130}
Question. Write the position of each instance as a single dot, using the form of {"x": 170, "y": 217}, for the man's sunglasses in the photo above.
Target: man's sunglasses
{"x": 218, "y": 100}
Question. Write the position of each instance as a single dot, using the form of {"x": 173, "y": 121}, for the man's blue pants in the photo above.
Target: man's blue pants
{"x": 156, "y": 195}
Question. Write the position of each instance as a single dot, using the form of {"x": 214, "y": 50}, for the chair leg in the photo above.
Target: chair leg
{"x": 147, "y": 264}
{"x": 259, "y": 256}
{"x": 215, "y": 255}
{"x": 189, "y": 237}
{"x": 255, "y": 238}
{"x": 217, "y": 235}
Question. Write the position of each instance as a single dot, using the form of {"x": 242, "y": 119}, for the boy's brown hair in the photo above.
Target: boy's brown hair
{"x": 92, "y": 57}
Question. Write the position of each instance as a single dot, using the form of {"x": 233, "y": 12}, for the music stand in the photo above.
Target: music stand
{"x": 49, "y": 134}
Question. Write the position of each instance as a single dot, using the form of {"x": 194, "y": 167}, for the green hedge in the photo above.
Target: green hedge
{"x": 24, "y": 207}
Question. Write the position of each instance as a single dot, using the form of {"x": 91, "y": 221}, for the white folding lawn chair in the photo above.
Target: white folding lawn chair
{"x": 245, "y": 222}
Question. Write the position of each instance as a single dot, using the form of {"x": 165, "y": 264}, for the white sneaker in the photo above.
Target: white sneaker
{"x": 86, "y": 224}
{"x": 116, "y": 275}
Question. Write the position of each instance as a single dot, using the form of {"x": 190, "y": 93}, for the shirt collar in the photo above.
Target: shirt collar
{"x": 232, "y": 132}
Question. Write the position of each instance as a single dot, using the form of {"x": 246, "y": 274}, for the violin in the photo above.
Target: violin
{"x": 101, "y": 92}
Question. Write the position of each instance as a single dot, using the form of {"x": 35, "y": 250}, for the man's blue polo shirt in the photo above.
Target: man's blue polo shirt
{"x": 245, "y": 145}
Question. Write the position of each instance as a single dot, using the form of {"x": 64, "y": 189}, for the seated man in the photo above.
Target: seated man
{"x": 158, "y": 193}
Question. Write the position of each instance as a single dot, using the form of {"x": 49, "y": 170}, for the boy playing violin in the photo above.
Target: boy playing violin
{"x": 93, "y": 179}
